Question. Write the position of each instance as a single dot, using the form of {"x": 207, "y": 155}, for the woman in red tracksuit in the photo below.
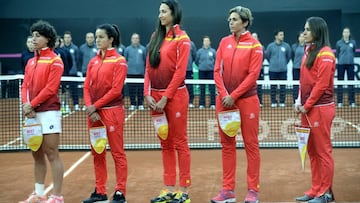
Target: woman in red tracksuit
{"x": 237, "y": 67}
{"x": 166, "y": 93}
{"x": 103, "y": 99}
{"x": 39, "y": 94}
{"x": 316, "y": 101}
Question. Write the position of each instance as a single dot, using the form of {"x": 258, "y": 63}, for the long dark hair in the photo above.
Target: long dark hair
{"x": 111, "y": 31}
{"x": 160, "y": 32}
{"x": 320, "y": 33}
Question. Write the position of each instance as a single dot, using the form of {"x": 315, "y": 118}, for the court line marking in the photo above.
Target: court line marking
{"x": 78, "y": 162}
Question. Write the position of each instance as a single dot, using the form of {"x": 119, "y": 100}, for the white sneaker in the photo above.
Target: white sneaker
{"x": 141, "y": 108}
{"x": 201, "y": 107}
{"x": 339, "y": 105}
{"x": 67, "y": 109}
{"x": 273, "y": 105}
{"x": 132, "y": 108}
{"x": 76, "y": 107}
{"x": 352, "y": 105}
{"x": 282, "y": 105}
{"x": 191, "y": 105}
{"x": 83, "y": 108}
{"x": 212, "y": 107}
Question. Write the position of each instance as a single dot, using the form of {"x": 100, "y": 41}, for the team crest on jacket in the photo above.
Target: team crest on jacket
{"x": 229, "y": 46}
{"x": 178, "y": 114}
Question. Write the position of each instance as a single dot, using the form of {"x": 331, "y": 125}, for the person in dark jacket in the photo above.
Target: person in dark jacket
{"x": 345, "y": 54}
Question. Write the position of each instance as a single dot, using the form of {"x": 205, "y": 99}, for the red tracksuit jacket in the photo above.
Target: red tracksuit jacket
{"x": 105, "y": 80}
{"x": 170, "y": 74}
{"x": 42, "y": 81}
{"x": 237, "y": 66}
{"x": 317, "y": 84}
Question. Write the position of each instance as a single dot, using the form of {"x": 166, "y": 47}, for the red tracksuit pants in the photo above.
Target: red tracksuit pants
{"x": 176, "y": 111}
{"x": 249, "y": 113}
{"x": 113, "y": 118}
{"x": 320, "y": 149}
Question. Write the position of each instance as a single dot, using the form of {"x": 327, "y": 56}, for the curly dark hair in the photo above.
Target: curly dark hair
{"x": 45, "y": 29}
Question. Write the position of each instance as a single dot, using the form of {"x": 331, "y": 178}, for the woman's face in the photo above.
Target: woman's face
{"x": 165, "y": 15}
{"x": 102, "y": 40}
{"x": 236, "y": 25}
{"x": 308, "y": 37}
{"x": 39, "y": 41}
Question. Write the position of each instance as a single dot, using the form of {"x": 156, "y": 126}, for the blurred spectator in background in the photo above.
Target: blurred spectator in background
{"x": 190, "y": 74}
{"x": 345, "y": 54}
{"x": 278, "y": 54}
{"x": 135, "y": 55}
{"x": 297, "y": 52}
{"x": 205, "y": 60}
{"x": 86, "y": 52}
{"x": 75, "y": 70}
{"x": 28, "y": 53}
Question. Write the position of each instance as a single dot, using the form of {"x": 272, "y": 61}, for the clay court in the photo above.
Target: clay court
{"x": 281, "y": 176}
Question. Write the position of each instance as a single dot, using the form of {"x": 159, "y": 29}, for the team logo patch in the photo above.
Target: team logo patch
{"x": 111, "y": 128}
{"x": 178, "y": 114}
{"x": 51, "y": 127}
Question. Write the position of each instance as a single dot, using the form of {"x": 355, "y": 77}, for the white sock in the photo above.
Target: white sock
{"x": 39, "y": 189}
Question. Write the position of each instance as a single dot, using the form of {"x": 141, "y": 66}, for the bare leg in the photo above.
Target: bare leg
{"x": 51, "y": 142}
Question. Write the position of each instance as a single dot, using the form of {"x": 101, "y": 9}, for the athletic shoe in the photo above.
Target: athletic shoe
{"x": 282, "y": 105}
{"x": 77, "y": 107}
{"x": 252, "y": 197}
{"x": 83, "y": 108}
{"x": 352, "y": 105}
{"x": 180, "y": 197}
{"x": 201, "y": 107}
{"x": 95, "y": 197}
{"x": 55, "y": 199}
{"x": 325, "y": 198}
{"x": 141, "y": 108}
{"x": 164, "y": 197}
{"x": 339, "y": 105}
{"x": 34, "y": 198}
{"x": 191, "y": 105}
{"x": 132, "y": 108}
{"x": 274, "y": 105}
{"x": 304, "y": 198}
{"x": 118, "y": 197}
{"x": 212, "y": 107}
{"x": 224, "y": 196}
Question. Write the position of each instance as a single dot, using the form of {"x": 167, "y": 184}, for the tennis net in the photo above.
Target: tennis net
{"x": 276, "y": 123}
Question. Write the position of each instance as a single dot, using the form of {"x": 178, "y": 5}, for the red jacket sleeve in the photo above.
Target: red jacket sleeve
{"x": 147, "y": 82}
{"x": 24, "y": 87}
{"x": 87, "y": 97}
{"x": 219, "y": 82}
{"x": 181, "y": 65}
{"x": 254, "y": 71}
{"x": 52, "y": 84}
{"x": 120, "y": 71}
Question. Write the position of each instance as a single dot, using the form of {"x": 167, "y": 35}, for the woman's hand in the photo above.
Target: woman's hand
{"x": 151, "y": 102}
{"x": 95, "y": 117}
{"x": 160, "y": 105}
{"x": 32, "y": 114}
{"x": 90, "y": 110}
{"x": 227, "y": 101}
{"x": 27, "y": 109}
{"x": 302, "y": 109}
